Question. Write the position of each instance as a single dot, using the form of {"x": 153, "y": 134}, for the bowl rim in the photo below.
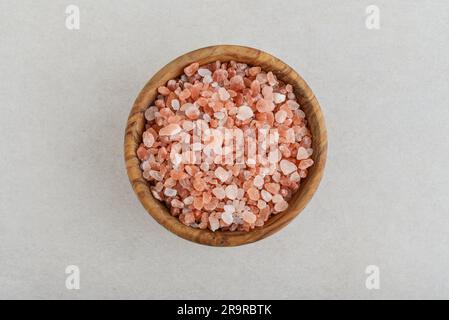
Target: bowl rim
{"x": 136, "y": 122}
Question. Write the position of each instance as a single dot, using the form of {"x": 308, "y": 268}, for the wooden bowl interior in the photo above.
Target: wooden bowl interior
{"x": 136, "y": 125}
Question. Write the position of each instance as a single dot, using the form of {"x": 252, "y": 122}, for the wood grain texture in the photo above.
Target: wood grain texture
{"x": 136, "y": 123}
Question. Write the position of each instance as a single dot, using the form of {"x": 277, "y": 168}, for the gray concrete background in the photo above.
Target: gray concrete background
{"x": 64, "y": 194}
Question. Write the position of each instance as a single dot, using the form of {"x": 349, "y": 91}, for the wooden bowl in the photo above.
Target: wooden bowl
{"x": 136, "y": 124}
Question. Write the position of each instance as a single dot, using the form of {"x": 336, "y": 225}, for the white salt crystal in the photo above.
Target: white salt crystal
{"x": 170, "y": 192}
{"x": 287, "y": 167}
{"x": 222, "y": 174}
{"x": 204, "y": 72}
{"x": 244, "y": 113}
{"x": 278, "y": 97}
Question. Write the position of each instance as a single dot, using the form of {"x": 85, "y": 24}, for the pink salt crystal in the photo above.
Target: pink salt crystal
{"x": 261, "y": 204}
{"x": 287, "y": 167}
{"x": 214, "y": 223}
{"x": 253, "y": 71}
{"x": 274, "y": 156}
{"x": 223, "y": 94}
{"x": 236, "y": 83}
{"x": 271, "y": 78}
{"x": 249, "y": 217}
{"x": 156, "y": 175}
{"x": 170, "y": 192}
{"x": 266, "y": 196}
{"x": 141, "y": 153}
{"x": 149, "y": 113}
{"x": 148, "y": 139}
{"x": 188, "y": 201}
{"x": 156, "y": 195}
{"x": 231, "y": 191}
{"x": 198, "y": 203}
{"x": 255, "y": 87}
{"x": 280, "y": 116}
{"x": 189, "y": 218}
{"x": 300, "y": 113}
{"x": 240, "y": 193}
{"x": 204, "y": 72}
{"x": 227, "y": 217}
{"x": 175, "y": 104}
{"x": 177, "y": 204}
{"x": 295, "y": 177}
{"x": 163, "y": 90}
{"x": 273, "y": 188}
{"x": 281, "y": 206}
{"x": 199, "y": 184}
{"x": 293, "y": 104}
{"x": 267, "y": 93}
{"x": 171, "y": 84}
{"x": 207, "y": 79}
{"x": 244, "y": 113}
{"x": 277, "y": 198}
{"x": 258, "y": 182}
{"x": 185, "y": 94}
{"x": 304, "y": 164}
{"x": 204, "y": 166}
{"x": 191, "y": 69}
{"x": 170, "y": 130}
{"x": 211, "y": 205}
{"x": 262, "y": 77}
{"x": 278, "y": 97}
{"x": 263, "y": 105}
{"x": 302, "y": 153}
{"x": 219, "y": 115}
{"x": 219, "y": 192}
{"x": 222, "y": 174}
{"x": 253, "y": 194}
{"x": 229, "y": 208}
{"x": 187, "y": 125}
{"x": 192, "y": 112}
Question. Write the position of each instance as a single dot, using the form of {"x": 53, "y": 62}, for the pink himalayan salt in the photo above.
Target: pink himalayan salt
{"x": 231, "y": 191}
{"x": 302, "y": 153}
{"x": 214, "y": 223}
{"x": 249, "y": 217}
{"x": 223, "y": 94}
{"x": 281, "y": 206}
{"x": 253, "y": 194}
{"x": 287, "y": 167}
{"x": 266, "y": 196}
{"x": 219, "y": 193}
{"x": 244, "y": 113}
{"x": 191, "y": 69}
{"x": 215, "y": 94}
{"x": 304, "y": 164}
{"x": 227, "y": 217}
{"x": 171, "y": 129}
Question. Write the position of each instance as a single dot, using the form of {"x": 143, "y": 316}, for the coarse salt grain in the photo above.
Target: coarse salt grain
{"x": 204, "y": 72}
{"x": 287, "y": 167}
{"x": 231, "y": 191}
{"x": 244, "y": 113}
{"x": 227, "y": 217}
{"x": 266, "y": 196}
{"x": 222, "y": 174}
{"x": 302, "y": 153}
{"x": 170, "y": 130}
{"x": 279, "y": 97}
